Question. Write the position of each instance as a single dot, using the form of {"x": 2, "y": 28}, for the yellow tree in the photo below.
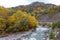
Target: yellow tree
{"x": 22, "y": 21}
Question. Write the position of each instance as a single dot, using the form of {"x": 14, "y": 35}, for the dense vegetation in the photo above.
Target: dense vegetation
{"x": 15, "y": 21}
{"x": 38, "y": 9}
{"x": 23, "y": 18}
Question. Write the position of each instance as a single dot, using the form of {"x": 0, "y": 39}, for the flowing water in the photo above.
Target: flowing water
{"x": 41, "y": 33}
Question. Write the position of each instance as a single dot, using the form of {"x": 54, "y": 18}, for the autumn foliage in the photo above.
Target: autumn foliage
{"x": 15, "y": 21}
{"x": 22, "y": 21}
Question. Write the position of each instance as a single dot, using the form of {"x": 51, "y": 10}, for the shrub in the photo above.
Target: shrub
{"x": 56, "y": 25}
{"x": 2, "y": 24}
{"x": 51, "y": 36}
{"x": 21, "y": 21}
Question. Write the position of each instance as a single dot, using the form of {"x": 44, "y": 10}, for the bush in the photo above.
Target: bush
{"x": 51, "y": 36}
{"x": 2, "y": 24}
{"x": 56, "y": 25}
{"x": 21, "y": 21}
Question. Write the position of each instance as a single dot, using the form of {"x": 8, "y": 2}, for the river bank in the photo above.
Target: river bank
{"x": 14, "y": 36}
{"x": 39, "y": 33}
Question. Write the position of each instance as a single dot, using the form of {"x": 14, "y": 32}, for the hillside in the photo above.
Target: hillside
{"x": 26, "y": 17}
{"x": 35, "y": 6}
{"x": 46, "y": 18}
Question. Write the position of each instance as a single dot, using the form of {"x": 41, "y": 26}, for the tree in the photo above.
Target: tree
{"x": 21, "y": 21}
{"x": 2, "y": 24}
{"x": 10, "y": 11}
{"x": 3, "y": 12}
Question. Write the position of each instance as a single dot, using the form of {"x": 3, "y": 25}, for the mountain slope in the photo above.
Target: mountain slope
{"x": 46, "y": 18}
{"x": 34, "y": 6}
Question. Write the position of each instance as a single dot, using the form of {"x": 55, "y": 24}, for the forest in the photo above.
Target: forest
{"x": 23, "y": 18}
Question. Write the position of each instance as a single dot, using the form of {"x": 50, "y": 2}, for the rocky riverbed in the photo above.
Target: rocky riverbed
{"x": 41, "y": 33}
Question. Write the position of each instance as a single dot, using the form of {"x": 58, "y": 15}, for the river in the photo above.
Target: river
{"x": 41, "y": 33}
